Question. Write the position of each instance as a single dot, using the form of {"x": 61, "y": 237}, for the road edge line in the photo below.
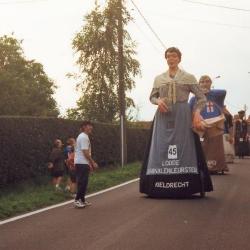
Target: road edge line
{"x": 19, "y": 217}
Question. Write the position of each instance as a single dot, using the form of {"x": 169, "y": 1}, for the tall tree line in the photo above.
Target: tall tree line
{"x": 25, "y": 88}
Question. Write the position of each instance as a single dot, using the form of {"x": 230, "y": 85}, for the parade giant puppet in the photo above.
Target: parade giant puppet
{"x": 174, "y": 164}
{"x": 213, "y": 119}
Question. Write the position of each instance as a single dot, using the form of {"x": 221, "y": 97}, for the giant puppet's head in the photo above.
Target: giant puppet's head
{"x": 173, "y": 57}
{"x": 205, "y": 83}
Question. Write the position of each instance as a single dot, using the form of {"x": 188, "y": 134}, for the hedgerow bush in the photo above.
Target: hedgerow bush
{"x": 25, "y": 144}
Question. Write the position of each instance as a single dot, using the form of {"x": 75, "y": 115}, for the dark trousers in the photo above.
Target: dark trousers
{"x": 82, "y": 178}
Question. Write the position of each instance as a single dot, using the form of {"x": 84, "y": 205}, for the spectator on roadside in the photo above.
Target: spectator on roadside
{"x": 69, "y": 153}
{"x": 84, "y": 163}
{"x": 56, "y": 164}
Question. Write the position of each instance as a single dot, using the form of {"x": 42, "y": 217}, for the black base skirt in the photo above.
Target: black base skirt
{"x": 176, "y": 185}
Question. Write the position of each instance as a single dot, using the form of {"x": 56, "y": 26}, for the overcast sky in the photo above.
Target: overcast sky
{"x": 214, "y": 41}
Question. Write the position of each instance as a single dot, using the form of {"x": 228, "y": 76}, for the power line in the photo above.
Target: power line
{"x": 217, "y": 6}
{"x": 147, "y": 38}
{"x": 22, "y": 2}
{"x": 208, "y": 22}
{"x": 149, "y": 26}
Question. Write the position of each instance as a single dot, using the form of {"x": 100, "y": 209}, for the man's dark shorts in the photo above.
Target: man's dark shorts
{"x": 56, "y": 173}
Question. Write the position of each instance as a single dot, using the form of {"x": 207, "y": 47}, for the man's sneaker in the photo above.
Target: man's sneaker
{"x": 87, "y": 203}
{"x": 79, "y": 204}
{"x": 67, "y": 189}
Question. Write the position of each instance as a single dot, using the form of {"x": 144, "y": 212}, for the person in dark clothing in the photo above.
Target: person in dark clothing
{"x": 241, "y": 140}
{"x": 56, "y": 164}
{"x": 228, "y": 137}
{"x": 248, "y": 134}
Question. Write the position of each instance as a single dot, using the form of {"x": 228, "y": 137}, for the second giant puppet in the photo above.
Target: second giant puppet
{"x": 212, "y": 138}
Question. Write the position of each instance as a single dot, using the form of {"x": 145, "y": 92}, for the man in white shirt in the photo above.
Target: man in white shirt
{"x": 83, "y": 163}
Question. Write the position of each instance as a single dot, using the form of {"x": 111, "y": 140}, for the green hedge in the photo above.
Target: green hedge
{"x": 25, "y": 144}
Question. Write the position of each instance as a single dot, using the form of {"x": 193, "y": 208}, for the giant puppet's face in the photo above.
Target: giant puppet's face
{"x": 205, "y": 83}
{"x": 173, "y": 59}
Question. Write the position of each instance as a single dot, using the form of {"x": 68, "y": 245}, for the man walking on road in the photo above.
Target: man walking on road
{"x": 84, "y": 163}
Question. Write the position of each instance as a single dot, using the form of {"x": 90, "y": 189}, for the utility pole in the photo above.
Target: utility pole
{"x": 121, "y": 89}
{"x": 245, "y": 109}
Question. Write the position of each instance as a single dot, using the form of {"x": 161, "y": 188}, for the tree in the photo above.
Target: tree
{"x": 25, "y": 89}
{"x": 96, "y": 46}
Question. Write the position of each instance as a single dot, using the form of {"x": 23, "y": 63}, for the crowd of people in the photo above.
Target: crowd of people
{"x": 76, "y": 162}
{"x": 61, "y": 163}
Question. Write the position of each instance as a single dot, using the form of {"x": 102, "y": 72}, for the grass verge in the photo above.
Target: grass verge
{"x": 39, "y": 193}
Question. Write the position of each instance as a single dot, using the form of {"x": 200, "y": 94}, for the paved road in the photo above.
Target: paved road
{"x": 124, "y": 219}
